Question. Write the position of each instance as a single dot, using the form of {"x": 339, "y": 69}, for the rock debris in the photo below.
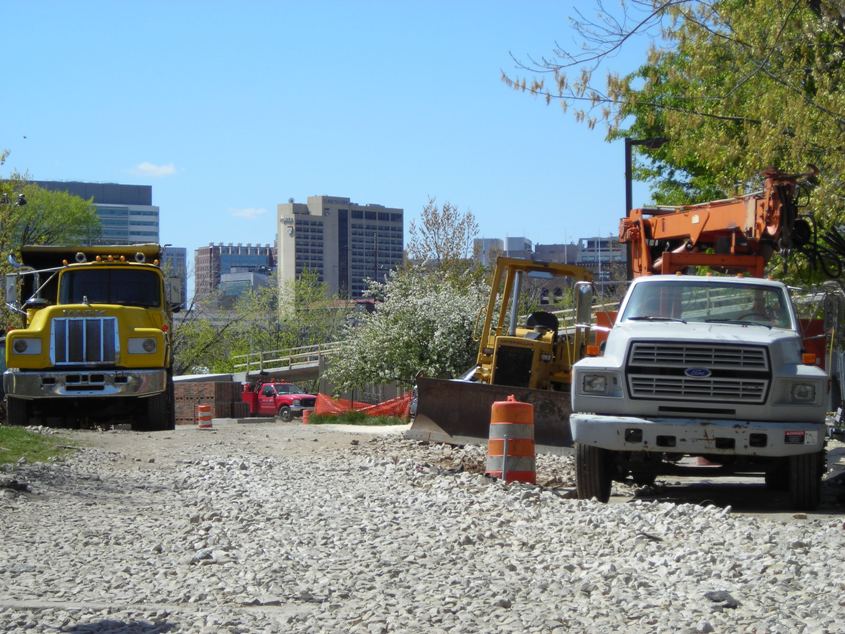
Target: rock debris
{"x": 385, "y": 535}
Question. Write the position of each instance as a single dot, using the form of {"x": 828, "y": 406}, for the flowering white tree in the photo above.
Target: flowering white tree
{"x": 424, "y": 324}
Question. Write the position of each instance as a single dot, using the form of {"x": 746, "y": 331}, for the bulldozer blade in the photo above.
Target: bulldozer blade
{"x": 458, "y": 412}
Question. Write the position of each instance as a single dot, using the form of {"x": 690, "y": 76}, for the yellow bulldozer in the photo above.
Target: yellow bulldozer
{"x": 529, "y": 356}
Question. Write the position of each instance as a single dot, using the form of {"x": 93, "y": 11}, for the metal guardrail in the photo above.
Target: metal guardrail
{"x": 283, "y": 358}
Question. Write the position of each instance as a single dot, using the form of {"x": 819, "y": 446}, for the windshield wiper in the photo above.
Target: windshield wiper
{"x": 655, "y": 318}
{"x": 741, "y": 322}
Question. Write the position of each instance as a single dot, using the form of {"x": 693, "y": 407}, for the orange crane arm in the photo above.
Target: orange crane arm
{"x": 736, "y": 233}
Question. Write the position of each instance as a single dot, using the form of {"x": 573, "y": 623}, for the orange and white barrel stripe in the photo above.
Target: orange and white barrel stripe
{"x": 203, "y": 415}
{"x": 511, "y": 455}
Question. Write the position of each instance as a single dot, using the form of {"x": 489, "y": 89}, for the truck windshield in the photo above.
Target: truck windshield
{"x": 111, "y": 286}
{"x": 288, "y": 388}
{"x": 709, "y": 302}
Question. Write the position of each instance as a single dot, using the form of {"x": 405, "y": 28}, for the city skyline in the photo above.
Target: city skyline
{"x": 234, "y": 112}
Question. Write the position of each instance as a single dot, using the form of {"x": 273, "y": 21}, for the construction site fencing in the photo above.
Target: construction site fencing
{"x": 399, "y": 406}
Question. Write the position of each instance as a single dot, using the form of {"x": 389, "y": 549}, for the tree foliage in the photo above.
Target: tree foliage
{"x": 32, "y": 215}
{"x": 210, "y": 337}
{"x": 734, "y": 85}
{"x": 424, "y": 324}
{"x": 443, "y": 240}
{"x": 424, "y": 313}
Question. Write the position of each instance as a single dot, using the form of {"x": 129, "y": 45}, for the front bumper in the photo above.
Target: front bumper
{"x": 87, "y": 383}
{"x": 698, "y": 436}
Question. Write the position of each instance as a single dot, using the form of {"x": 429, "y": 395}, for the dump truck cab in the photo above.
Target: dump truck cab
{"x": 95, "y": 342}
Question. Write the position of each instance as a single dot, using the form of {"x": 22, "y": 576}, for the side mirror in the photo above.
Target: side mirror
{"x": 583, "y": 303}
{"x": 175, "y": 307}
{"x": 11, "y": 290}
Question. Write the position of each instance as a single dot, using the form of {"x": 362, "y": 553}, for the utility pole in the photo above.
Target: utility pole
{"x": 651, "y": 144}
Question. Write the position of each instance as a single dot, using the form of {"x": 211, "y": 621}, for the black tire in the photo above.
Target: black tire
{"x": 170, "y": 419}
{"x": 17, "y": 411}
{"x": 160, "y": 414}
{"x": 777, "y": 476}
{"x": 285, "y": 414}
{"x": 592, "y": 473}
{"x": 835, "y": 394}
{"x": 805, "y": 480}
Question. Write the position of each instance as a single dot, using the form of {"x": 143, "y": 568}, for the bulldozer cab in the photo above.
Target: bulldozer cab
{"x": 524, "y": 347}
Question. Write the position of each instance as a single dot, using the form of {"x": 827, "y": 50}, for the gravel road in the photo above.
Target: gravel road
{"x": 292, "y": 528}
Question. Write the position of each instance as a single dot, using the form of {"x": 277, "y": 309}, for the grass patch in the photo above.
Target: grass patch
{"x": 353, "y": 418}
{"x": 17, "y": 442}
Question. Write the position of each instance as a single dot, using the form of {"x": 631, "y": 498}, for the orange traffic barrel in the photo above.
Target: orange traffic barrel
{"x": 306, "y": 415}
{"x": 510, "y": 446}
{"x": 203, "y": 415}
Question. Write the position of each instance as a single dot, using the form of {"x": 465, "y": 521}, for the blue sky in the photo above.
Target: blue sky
{"x": 229, "y": 108}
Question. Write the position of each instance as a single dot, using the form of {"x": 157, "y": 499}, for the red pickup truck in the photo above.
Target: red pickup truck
{"x": 277, "y": 398}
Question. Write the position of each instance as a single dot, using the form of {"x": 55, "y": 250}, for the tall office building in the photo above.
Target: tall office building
{"x": 343, "y": 242}
{"x": 604, "y": 256}
{"x": 174, "y": 265}
{"x": 486, "y": 250}
{"x": 518, "y": 248}
{"x": 562, "y": 253}
{"x": 126, "y": 212}
{"x": 211, "y": 262}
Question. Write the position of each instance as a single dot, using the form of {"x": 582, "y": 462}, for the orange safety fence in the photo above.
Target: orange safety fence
{"x": 399, "y": 406}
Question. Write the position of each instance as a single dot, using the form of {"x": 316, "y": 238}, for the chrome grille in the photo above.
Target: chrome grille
{"x": 711, "y": 389}
{"x": 84, "y": 340}
{"x": 699, "y": 356}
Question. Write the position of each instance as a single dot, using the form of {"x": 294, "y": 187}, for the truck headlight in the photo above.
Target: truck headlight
{"x": 594, "y": 383}
{"x": 142, "y": 345}
{"x": 27, "y": 346}
{"x": 803, "y": 392}
{"x": 296, "y": 402}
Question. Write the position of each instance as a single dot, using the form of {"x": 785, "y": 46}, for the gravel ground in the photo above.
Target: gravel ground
{"x": 291, "y": 528}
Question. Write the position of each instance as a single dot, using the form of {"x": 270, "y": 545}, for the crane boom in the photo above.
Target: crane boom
{"x": 736, "y": 233}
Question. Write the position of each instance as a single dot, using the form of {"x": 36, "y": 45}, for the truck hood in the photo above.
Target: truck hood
{"x": 787, "y": 342}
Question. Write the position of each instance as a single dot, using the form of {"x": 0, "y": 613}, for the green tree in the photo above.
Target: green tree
{"x": 734, "y": 85}
{"x": 32, "y": 215}
{"x": 213, "y": 333}
{"x": 443, "y": 240}
{"x": 425, "y": 312}
{"x": 424, "y": 324}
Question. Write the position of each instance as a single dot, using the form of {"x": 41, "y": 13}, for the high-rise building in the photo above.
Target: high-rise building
{"x": 174, "y": 265}
{"x": 561, "y": 253}
{"x": 518, "y": 247}
{"x": 216, "y": 259}
{"x": 486, "y": 250}
{"x": 126, "y": 212}
{"x": 602, "y": 255}
{"x": 343, "y": 242}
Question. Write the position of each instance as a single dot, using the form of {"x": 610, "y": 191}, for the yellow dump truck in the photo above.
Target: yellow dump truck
{"x": 95, "y": 347}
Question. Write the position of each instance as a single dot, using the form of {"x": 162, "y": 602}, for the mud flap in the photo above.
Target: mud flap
{"x": 458, "y": 412}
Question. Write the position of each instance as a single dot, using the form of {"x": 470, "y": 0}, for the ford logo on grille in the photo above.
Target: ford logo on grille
{"x": 697, "y": 373}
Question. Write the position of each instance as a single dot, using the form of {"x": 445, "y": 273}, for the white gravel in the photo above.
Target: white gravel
{"x": 251, "y": 531}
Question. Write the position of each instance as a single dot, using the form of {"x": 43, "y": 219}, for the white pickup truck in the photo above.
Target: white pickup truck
{"x": 708, "y": 368}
